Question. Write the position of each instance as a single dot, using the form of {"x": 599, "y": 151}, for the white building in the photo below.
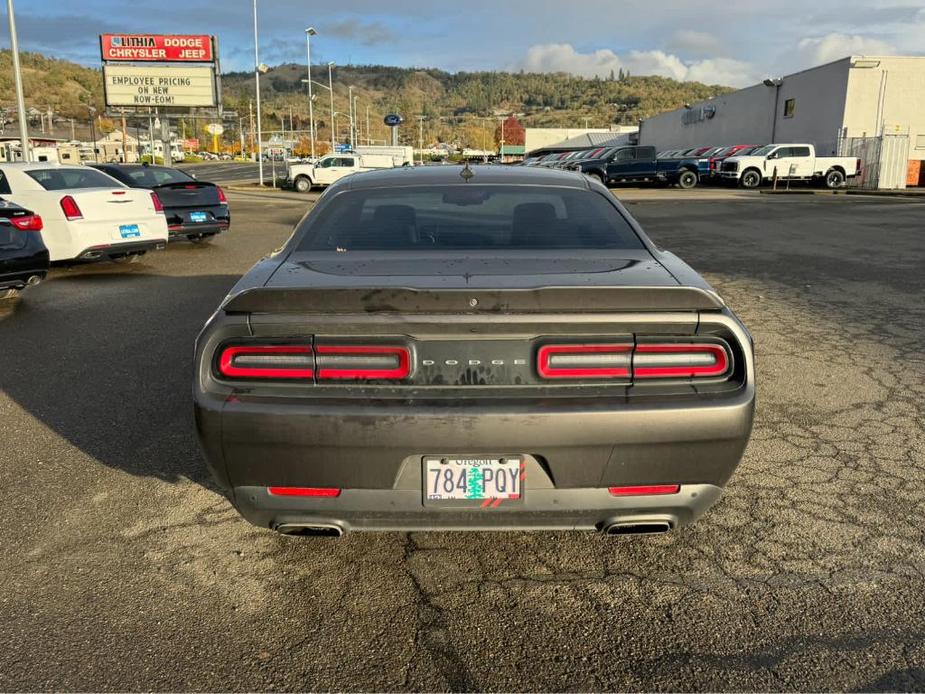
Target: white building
{"x": 855, "y": 97}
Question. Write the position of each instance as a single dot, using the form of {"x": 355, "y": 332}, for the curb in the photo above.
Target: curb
{"x": 851, "y": 191}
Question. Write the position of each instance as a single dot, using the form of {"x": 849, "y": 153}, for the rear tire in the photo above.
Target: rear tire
{"x": 687, "y": 179}
{"x": 303, "y": 184}
{"x": 751, "y": 179}
{"x": 834, "y": 179}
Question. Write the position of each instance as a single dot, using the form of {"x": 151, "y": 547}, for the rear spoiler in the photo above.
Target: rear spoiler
{"x": 405, "y": 300}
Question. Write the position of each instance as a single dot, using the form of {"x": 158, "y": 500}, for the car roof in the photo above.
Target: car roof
{"x": 452, "y": 175}
{"x": 39, "y": 165}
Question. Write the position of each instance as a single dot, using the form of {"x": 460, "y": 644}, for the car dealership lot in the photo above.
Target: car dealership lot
{"x": 124, "y": 569}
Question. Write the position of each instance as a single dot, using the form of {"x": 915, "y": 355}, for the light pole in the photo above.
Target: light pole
{"x": 421, "y": 136}
{"x": 776, "y": 83}
{"x": 350, "y": 113}
{"x": 356, "y": 119}
{"x": 311, "y": 105}
{"x": 257, "y": 70}
{"x": 17, "y": 72}
{"x": 333, "y": 112}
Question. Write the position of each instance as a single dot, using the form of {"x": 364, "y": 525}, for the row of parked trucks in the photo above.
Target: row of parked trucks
{"x": 746, "y": 165}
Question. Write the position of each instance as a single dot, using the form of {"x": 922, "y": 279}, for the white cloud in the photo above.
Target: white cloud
{"x": 562, "y": 57}
{"x": 816, "y": 50}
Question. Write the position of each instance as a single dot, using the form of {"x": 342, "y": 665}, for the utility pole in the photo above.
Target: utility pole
{"x": 331, "y": 90}
{"x": 350, "y": 115}
{"x": 421, "y": 137}
{"x": 250, "y": 132}
{"x": 368, "y": 140}
{"x": 311, "y": 99}
{"x": 501, "y": 150}
{"x": 124, "y": 139}
{"x": 241, "y": 134}
{"x": 17, "y": 73}
{"x": 257, "y": 85}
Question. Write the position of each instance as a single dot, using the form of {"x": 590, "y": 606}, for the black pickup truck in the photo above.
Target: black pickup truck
{"x": 640, "y": 163}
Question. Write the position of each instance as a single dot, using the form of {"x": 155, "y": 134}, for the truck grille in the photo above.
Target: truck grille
{"x": 732, "y": 166}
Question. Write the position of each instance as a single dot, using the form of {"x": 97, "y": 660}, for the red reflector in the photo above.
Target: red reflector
{"x": 645, "y": 490}
{"x": 679, "y": 360}
{"x": 29, "y": 222}
{"x": 70, "y": 208}
{"x": 594, "y": 365}
{"x": 118, "y": 192}
{"x": 354, "y": 366}
{"x": 158, "y": 205}
{"x": 221, "y": 194}
{"x": 304, "y": 491}
{"x": 264, "y": 365}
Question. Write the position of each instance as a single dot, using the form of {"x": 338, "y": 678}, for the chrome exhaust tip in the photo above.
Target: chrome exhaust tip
{"x": 33, "y": 280}
{"x": 638, "y": 528}
{"x": 310, "y": 530}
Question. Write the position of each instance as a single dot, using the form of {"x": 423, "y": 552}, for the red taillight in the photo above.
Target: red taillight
{"x": 70, "y": 208}
{"x": 28, "y": 222}
{"x": 645, "y": 490}
{"x": 362, "y": 362}
{"x": 584, "y": 361}
{"x": 158, "y": 205}
{"x": 221, "y": 194}
{"x": 679, "y": 360}
{"x": 304, "y": 491}
{"x": 267, "y": 361}
{"x": 642, "y": 361}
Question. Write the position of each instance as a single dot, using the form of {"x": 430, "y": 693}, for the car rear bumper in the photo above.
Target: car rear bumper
{"x": 374, "y": 451}
{"x": 18, "y": 271}
{"x": 118, "y": 250}
{"x": 197, "y": 229}
{"x": 539, "y": 509}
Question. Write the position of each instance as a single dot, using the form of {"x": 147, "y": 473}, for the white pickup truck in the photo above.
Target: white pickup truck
{"x": 333, "y": 167}
{"x": 791, "y": 162}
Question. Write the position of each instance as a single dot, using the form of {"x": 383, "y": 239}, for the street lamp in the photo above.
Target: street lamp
{"x": 311, "y": 106}
{"x": 775, "y": 82}
{"x": 333, "y": 112}
{"x": 356, "y": 121}
{"x": 258, "y": 68}
{"x": 17, "y": 72}
{"x": 350, "y": 109}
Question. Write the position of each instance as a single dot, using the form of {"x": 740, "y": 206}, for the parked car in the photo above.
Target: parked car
{"x": 464, "y": 348}
{"x": 795, "y": 162}
{"x": 23, "y": 256}
{"x": 196, "y": 210}
{"x": 87, "y": 214}
{"x": 639, "y": 163}
{"x": 333, "y": 167}
{"x": 717, "y": 159}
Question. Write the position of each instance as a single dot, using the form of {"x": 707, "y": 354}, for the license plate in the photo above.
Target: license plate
{"x": 483, "y": 480}
{"x": 198, "y": 217}
{"x": 129, "y": 231}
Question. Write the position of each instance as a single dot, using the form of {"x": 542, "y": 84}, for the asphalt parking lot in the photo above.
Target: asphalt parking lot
{"x": 123, "y": 569}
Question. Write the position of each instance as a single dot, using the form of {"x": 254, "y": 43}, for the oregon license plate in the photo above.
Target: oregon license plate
{"x": 473, "y": 479}
{"x": 198, "y": 217}
{"x": 129, "y": 231}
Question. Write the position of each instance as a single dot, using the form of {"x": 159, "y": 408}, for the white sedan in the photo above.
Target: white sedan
{"x": 87, "y": 214}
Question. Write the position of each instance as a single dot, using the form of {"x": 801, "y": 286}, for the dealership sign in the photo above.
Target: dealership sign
{"x": 160, "y": 48}
{"x": 132, "y": 85}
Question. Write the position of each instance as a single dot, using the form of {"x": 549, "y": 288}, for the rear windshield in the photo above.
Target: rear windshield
{"x": 66, "y": 179}
{"x": 490, "y": 217}
{"x": 151, "y": 176}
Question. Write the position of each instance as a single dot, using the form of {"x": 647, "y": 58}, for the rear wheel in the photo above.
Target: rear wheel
{"x": 834, "y": 179}
{"x": 303, "y": 184}
{"x": 687, "y": 179}
{"x": 751, "y": 179}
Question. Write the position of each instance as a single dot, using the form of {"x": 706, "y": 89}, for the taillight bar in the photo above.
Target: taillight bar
{"x": 362, "y": 362}
{"x": 158, "y": 205}
{"x": 584, "y": 361}
{"x": 640, "y": 361}
{"x": 221, "y": 194}
{"x": 267, "y": 361}
{"x": 321, "y": 362}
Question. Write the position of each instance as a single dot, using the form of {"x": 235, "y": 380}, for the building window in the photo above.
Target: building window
{"x": 790, "y": 106}
{"x": 920, "y": 141}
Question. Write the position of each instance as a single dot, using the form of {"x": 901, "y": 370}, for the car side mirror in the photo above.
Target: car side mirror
{"x": 772, "y": 155}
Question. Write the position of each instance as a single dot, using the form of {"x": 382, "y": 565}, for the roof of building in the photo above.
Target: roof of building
{"x": 454, "y": 175}
{"x": 585, "y": 141}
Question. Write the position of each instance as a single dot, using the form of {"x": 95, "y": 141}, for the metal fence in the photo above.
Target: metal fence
{"x": 884, "y": 159}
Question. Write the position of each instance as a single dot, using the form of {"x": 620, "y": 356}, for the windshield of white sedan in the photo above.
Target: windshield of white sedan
{"x": 68, "y": 179}
{"x": 468, "y": 217}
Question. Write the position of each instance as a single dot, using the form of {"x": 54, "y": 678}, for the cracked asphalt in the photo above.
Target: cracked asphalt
{"x": 121, "y": 568}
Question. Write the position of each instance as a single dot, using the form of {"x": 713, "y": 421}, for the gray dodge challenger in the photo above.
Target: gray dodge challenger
{"x": 455, "y": 348}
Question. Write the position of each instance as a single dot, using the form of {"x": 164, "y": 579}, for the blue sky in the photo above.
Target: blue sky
{"x": 734, "y": 42}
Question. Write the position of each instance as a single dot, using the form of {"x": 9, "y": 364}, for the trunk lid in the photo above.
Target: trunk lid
{"x": 192, "y": 194}
{"x": 112, "y": 204}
